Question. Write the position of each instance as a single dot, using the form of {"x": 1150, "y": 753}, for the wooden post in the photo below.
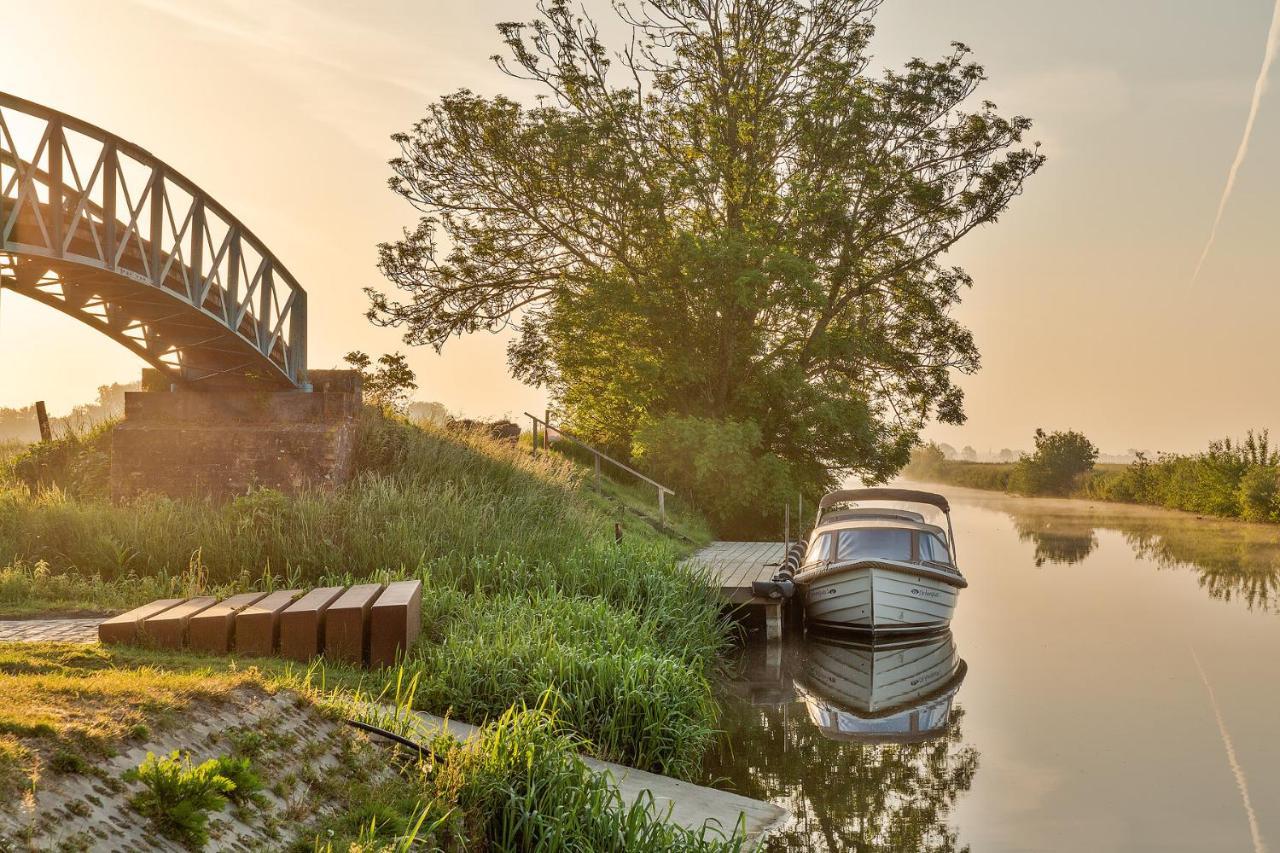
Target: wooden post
{"x": 546, "y": 430}
{"x": 42, "y": 415}
{"x": 535, "y": 436}
{"x": 662, "y": 505}
{"x": 786, "y": 529}
{"x": 597, "y": 458}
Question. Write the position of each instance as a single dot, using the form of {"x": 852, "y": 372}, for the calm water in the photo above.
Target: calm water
{"x": 1118, "y": 692}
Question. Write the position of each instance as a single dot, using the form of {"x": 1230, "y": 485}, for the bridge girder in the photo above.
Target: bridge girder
{"x": 100, "y": 229}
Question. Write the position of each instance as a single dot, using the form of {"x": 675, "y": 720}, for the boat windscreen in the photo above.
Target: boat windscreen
{"x": 886, "y": 543}
{"x": 933, "y": 548}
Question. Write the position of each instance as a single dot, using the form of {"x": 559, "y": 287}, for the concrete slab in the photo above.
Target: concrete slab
{"x": 346, "y": 625}
{"x": 126, "y": 628}
{"x": 211, "y": 630}
{"x": 395, "y": 622}
{"x": 258, "y": 625}
{"x": 302, "y": 623}
{"x": 168, "y": 629}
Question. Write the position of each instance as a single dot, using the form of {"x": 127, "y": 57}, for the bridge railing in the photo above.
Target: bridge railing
{"x": 71, "y": 192}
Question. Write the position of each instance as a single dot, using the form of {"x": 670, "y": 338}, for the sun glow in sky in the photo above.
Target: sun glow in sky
{"x": 1081, "y": 308}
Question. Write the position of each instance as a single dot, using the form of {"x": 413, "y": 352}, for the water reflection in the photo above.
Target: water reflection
{"x": 1234, "y": 561}
{"x": 891, "y": 692}
{"x": 861, "y": 742}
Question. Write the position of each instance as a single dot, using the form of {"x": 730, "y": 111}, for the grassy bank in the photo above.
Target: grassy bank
{"x": 306, "y": 781}
{"x": 1232, "y": 479}
{"x": 526, "y": 595}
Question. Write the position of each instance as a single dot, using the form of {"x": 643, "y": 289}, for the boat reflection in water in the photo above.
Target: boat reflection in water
{"x": 895, "y": 691}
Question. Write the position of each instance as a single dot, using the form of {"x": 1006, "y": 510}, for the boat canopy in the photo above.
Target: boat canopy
{"x": 882, "y": 494}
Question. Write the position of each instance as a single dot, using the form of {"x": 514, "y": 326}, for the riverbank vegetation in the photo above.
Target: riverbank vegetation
{"x": 303, "y": 780}
{"x": 527, "y": 597}
{"x": 1232, "y": 479}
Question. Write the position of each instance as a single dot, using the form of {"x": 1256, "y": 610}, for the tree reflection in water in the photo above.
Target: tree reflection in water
{"x": 842, "y": 794}
{"x": 1234, "y": 560}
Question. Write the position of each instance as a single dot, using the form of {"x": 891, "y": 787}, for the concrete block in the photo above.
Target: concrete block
{"x": 258, "y": 625}
{"x": 394, "y": 622}
{"x": 212, "y": 630}
{"x": 346, "y": 625}
{"x": 302, "y": 624}
{"x": 168, "y": 629}
{"x": 126, "y": 628}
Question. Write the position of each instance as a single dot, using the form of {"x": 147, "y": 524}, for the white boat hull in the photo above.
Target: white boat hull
{"x": 876, "y": 597}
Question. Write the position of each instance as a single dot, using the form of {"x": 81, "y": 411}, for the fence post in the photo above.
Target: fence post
{"x": 546, "y": 431}
{"x": 596, "y": 456}
{"x": 42, "y": 416}
{"x": 662, "y": 505}
{"x": 535, "y": 436}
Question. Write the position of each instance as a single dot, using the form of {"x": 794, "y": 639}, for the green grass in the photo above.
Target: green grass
{"x": 520, "y": 785}
{"x": 525, "y": 590}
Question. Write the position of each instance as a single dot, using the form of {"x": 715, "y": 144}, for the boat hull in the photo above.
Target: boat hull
{"x": 878, "y": 598}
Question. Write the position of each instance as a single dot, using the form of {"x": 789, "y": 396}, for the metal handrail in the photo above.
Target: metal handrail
{"x": 663, "y": 491}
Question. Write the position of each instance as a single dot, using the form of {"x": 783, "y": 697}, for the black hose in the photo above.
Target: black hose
{"x": 423, "y": 752}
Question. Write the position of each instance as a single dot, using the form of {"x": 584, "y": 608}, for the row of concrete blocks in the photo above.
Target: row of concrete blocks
{"x": 365, "y": 625}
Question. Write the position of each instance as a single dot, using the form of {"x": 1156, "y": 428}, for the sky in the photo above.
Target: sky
{"x": 1083, "y": 307}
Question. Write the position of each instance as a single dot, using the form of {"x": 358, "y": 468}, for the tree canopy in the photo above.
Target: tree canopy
{"x": 728, "y": 218}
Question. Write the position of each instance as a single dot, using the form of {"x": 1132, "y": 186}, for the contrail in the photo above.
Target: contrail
{"x": 1259, "y": 88}
{"x": 1259, "y": 846}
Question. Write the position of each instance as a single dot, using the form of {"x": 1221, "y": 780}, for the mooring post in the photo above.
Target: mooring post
{"x": 773, "y": 620}
{"x": 42, "y": 416}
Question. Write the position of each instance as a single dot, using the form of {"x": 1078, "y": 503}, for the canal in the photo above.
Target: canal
{"x": 1110, "y": 684}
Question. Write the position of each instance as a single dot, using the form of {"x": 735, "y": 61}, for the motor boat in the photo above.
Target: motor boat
{"x": 899, "y": 691}
{"x": 872, "y": 567}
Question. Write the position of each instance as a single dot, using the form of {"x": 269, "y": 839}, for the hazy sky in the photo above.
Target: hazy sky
{"x": 1083, "y": 305}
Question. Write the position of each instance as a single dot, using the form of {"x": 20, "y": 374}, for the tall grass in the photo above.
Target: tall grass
{"x": 525, "y": 589}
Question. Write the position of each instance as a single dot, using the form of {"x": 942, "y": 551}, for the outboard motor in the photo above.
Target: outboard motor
{"x": 781, "y": 586}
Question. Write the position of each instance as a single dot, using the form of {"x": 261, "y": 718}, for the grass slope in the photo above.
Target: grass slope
{"x": 525, "y": 591}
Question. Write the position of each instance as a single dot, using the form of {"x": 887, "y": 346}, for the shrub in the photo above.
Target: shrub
{"x": 178, "y": 797}
{"x": 719, "y": 465}
{"x": 1055, "y": 468}
{"x": 77, "y": 464}
{"x": 1259, "y": 492}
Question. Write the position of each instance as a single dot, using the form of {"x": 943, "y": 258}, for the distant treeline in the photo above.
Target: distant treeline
{"x": 1232, "y": 479}
{"x": 20, "y": 425}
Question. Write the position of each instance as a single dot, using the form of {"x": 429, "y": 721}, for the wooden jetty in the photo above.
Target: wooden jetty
{"x": 734, "y": 565}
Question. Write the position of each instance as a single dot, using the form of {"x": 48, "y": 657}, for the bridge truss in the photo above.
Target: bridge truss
{"x": 100, "y": 229}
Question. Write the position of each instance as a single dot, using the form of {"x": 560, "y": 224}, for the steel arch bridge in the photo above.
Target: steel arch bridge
{"x": 100, "y": 229}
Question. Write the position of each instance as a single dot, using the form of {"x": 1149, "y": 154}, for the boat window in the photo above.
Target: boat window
{"x": 818, "y": 549}
{"x": 932, "y": 548}
{"x": 884, "y": 542}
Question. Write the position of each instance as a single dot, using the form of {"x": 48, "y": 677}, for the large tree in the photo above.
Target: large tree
{"x": 728, "y": 218}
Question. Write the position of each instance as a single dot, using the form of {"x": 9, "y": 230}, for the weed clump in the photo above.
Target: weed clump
{"x": 178, "y": 796}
